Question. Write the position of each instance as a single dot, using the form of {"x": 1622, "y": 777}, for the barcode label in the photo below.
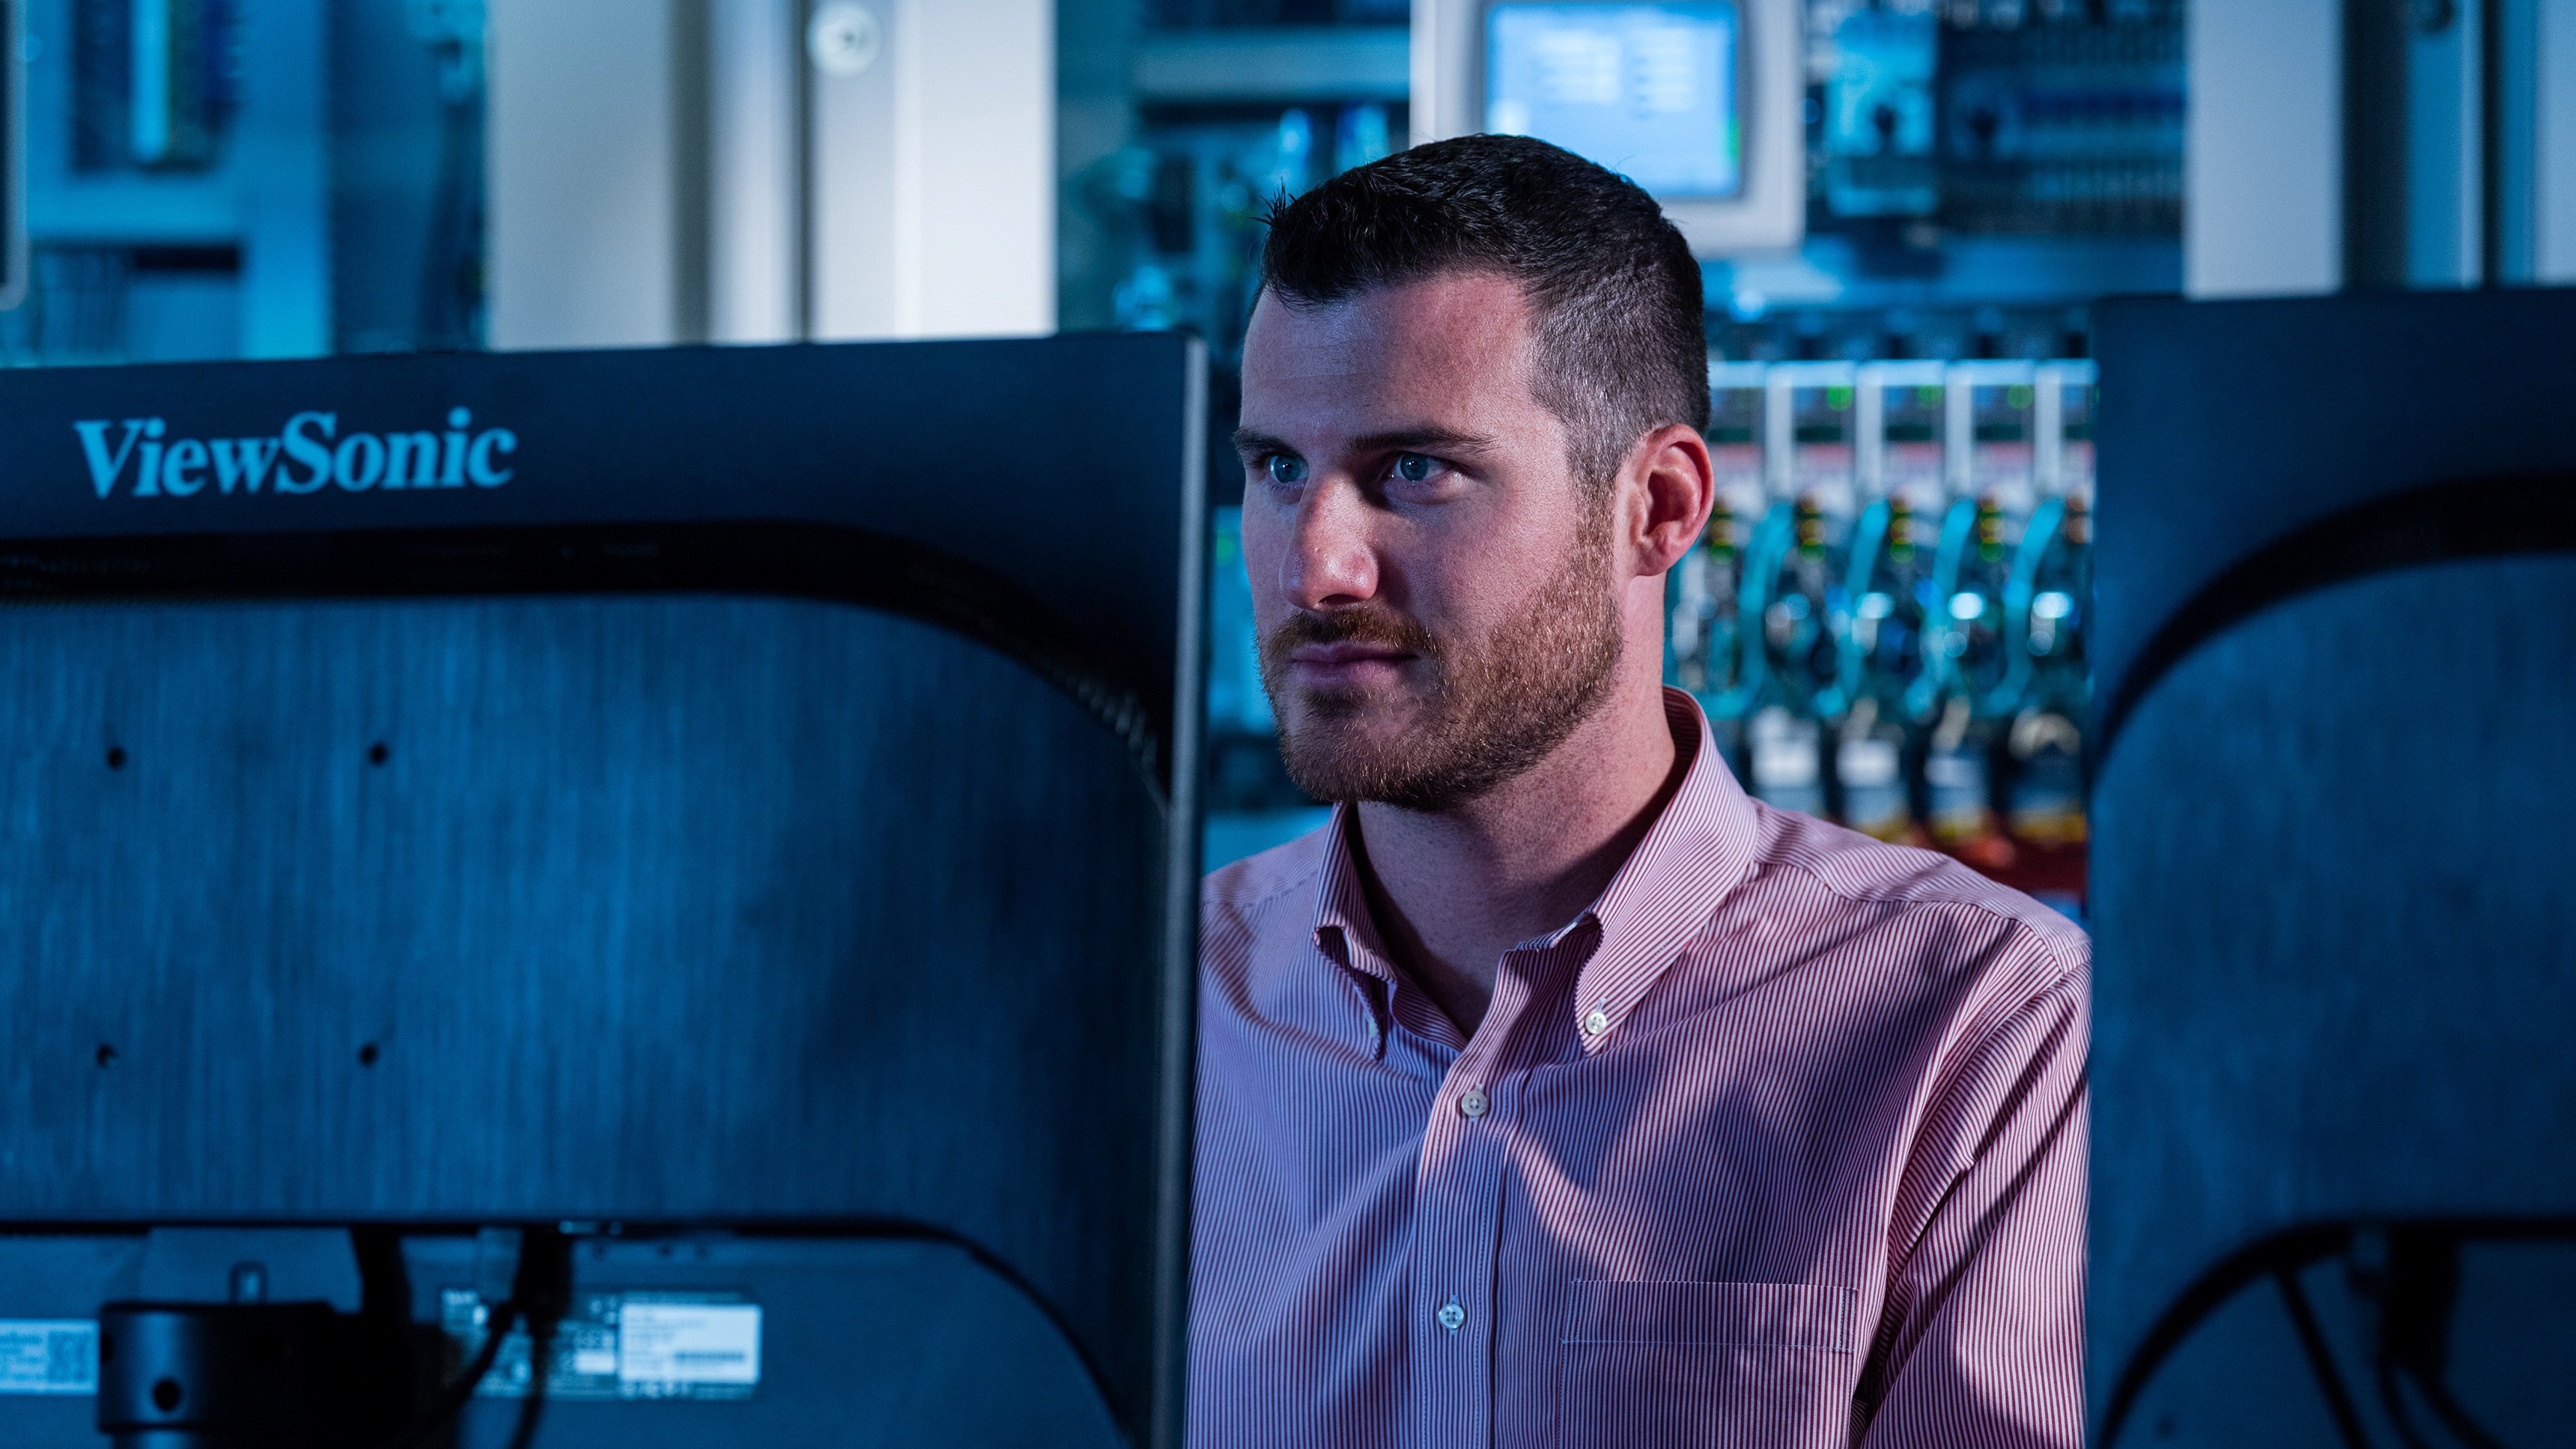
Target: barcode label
{"x": 646, "y": 1345}
{"x": 48, "y": 1356}
{"x": 666, "y": 1347}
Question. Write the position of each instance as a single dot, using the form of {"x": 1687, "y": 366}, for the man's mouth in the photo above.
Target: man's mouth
{"x": 1346, "y": 664}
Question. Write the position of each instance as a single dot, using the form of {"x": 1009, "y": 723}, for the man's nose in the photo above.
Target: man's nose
{"x": 1332, "y": 558}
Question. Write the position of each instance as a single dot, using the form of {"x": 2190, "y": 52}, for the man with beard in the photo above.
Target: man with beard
{"x": 1556, "y": 1093}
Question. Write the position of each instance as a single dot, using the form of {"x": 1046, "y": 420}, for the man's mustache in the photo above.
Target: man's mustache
{"x": 1348, "y": 626}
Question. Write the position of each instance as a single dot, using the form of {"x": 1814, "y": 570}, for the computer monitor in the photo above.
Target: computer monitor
{"x": 2334, "y": 943}
{"x": 698, "y": 845}
{"x": 1694, "y": 100}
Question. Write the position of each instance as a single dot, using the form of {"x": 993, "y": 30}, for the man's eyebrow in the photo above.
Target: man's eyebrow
{"x": 1416, "y": 439}
{"x": 1251, "y": 442}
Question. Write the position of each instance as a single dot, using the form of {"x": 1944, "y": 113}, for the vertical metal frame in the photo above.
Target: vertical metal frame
{"x": 1179, "y": 1026}
{"x": 2509, "y": 148}
{"x": 2444, "y": 106}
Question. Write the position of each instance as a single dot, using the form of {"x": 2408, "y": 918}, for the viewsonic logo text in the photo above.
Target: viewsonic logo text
{"x": 304, "y": 456}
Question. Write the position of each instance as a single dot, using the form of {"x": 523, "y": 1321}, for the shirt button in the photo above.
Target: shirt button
{"x": 1451, "y": 1315}
{"x": 1596, "y": 1023}
{"x": 1472, "y": 1106}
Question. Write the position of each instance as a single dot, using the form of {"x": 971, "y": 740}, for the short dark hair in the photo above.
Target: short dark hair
{"x": 1614, "y": 292}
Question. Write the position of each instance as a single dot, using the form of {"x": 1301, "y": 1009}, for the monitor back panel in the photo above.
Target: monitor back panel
{"x": 2332, "y": 922}
{"x": 649, "y": 909}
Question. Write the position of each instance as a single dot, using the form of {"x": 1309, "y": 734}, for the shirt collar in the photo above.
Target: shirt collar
{"x": 1697, "y": 850}
{"x": 1345, "y": 928}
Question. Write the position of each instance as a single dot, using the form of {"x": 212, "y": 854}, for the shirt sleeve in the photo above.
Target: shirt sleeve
{"x": 1981, "y": 1340}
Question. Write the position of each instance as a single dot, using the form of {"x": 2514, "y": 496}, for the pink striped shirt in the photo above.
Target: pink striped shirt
{"x": 1781, "y": 1143}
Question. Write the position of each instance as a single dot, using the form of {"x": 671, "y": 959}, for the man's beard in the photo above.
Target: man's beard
{"x": 1495, "y": 707}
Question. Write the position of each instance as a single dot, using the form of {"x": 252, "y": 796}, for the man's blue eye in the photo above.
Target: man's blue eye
{"x": 1287, "y": 470}
{"x": 1413, "y": 467}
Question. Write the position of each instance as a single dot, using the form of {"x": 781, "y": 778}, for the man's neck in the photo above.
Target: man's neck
{"x": 1452, "y": 891}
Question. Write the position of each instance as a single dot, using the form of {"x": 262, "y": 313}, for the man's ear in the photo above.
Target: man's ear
{"x": 1675, "y": 487}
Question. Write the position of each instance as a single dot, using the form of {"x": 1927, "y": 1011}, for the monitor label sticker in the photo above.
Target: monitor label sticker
{"x": 665, "y": 1346}
{"x": 48, "y": 1356}
{"x": 639, "y": 1345}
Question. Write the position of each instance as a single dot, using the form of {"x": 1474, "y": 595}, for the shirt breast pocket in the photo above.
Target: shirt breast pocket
{"x": 1717, "y": 1364}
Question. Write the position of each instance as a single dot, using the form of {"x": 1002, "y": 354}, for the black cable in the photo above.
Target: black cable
{"x": 451, "y": 1400}
{"x": 532, "y": 1407}
{"x": 2419, "y": 1295}
{"x": 2376, "y": 1264}
{"x": 544, "y": 1286}
{"x": 541, "y": 1292}
{"x": 382, "y": 1397}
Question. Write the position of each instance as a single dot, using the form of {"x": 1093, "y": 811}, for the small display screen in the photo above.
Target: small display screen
{"x": 1648, "y": 90}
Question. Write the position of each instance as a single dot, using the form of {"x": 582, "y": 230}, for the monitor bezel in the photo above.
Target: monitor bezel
{"x": 1768, "y": 215}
